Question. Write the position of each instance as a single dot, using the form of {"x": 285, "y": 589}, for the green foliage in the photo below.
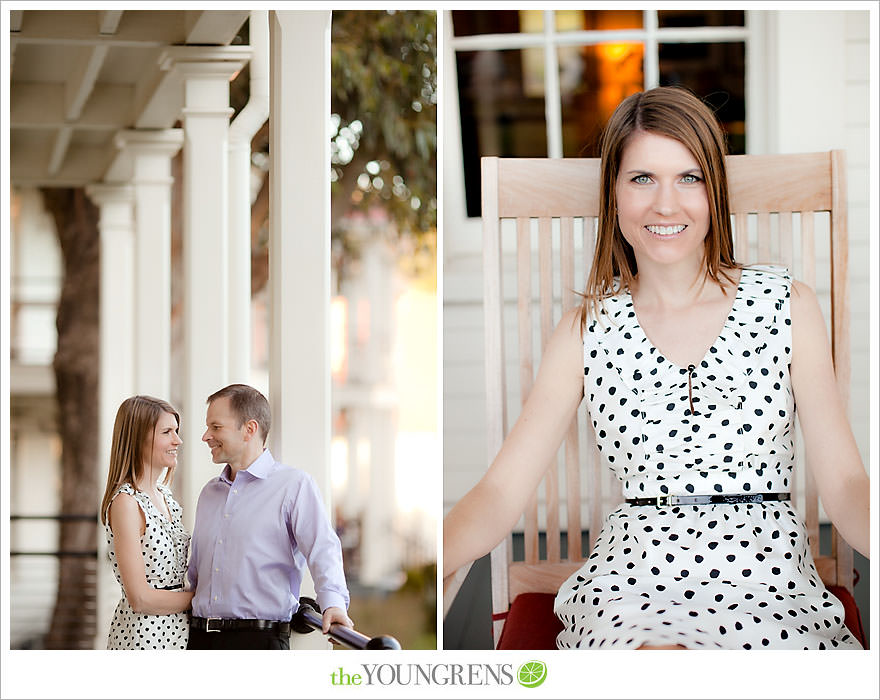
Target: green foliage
{"x": 384, "y": 104}
{"x": 422, "y": 581}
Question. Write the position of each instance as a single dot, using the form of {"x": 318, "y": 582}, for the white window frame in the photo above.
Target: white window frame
{"x": 461, "y": 233}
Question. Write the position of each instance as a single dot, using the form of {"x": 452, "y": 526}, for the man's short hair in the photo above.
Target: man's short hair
{"x": 247, "y": 404}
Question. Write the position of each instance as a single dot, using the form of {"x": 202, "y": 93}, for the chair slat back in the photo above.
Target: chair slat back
{"x": 539, "y": 225}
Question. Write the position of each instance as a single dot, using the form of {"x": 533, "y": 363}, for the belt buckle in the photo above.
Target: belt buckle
{"x": 208, "y": 620}
{"x": 667, "y": 500}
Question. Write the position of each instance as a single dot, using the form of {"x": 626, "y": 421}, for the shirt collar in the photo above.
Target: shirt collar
{"x": 260, "y": 468}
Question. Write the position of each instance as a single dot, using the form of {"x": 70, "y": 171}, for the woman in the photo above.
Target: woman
{"x": 705, "y": 416}
{"x": 146, "y": 538}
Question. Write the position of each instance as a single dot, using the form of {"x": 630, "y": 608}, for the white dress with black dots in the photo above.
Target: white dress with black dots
{"x": 728, "y": 576}
{"x": 164, "y": 546}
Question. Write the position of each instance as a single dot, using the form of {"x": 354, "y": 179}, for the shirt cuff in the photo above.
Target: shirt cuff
{"x": 331, "y": 600}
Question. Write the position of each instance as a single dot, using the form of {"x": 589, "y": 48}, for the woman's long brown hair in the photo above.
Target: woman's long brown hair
{"x": 134, "y": 429}
{"x": 677, "y": 113}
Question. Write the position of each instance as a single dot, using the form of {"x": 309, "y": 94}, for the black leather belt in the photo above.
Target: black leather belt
{"x": 221, "y": 624}
{"x": 175, "y": 587}
{"x": 703, "y": 500}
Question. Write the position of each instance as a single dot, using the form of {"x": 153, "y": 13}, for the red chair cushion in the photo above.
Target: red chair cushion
{"x": 851, "y": 617}
{"x": 531, "y": 623}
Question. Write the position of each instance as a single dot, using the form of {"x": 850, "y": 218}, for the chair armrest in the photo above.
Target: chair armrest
{"x": 451, "y": 586}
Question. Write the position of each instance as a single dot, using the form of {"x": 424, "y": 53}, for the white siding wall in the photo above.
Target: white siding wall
{"x": 857, "y": 142}
{"x": 822, "y": 103}
{"x": 818, "y": 63}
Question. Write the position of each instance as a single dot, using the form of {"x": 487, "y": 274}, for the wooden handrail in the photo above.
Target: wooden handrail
{"x": 308, "y": 618}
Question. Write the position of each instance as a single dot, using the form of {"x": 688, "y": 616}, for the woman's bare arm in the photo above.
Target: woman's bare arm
{"x": 832, "y": 454}
{"x": 490, "y": 509}
{"x": 127, "y": 524}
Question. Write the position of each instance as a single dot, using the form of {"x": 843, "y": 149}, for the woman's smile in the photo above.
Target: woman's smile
{"x": 666, "y": 231}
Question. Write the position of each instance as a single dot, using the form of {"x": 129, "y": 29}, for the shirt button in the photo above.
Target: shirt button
{"x": 226, "y": 515}
{"x": 215, "y": 597}
{"x": 219, "y": 541}
{"x": 234, "y": 490}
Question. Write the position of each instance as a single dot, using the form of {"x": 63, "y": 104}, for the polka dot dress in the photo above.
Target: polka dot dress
{"x": 164, "y": 546}
{"x": 732, "y": 576}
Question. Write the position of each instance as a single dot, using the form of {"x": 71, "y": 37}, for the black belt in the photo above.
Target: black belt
{"x": 703, "y": 500}
{"x": 221, "y": 624}
{"x": 175, "y": 587}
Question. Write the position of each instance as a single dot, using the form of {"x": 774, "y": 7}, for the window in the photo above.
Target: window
{"x": 535, "y": 83}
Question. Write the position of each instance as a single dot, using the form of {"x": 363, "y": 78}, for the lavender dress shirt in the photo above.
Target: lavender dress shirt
{"x": 252, "y": 539}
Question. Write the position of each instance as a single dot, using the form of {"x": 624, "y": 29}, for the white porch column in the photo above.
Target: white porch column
{"x": 380, "y": 543}
{"x": 116, "y": 371}
{"x": 299, "y": 243}
{"x": 299, "y": 249}
{"x": 239, "y": 271}
{"x": 205, "y": 72}
{"x": 151, "y": 153}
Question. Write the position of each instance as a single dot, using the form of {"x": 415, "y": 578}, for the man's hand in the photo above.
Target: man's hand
{"x": 335, "y": 616}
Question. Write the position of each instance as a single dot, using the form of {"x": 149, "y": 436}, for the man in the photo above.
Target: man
{"x": 258, "y": 524}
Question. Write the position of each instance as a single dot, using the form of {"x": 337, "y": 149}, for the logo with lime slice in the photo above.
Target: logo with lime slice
{"x": 531, "y": 674}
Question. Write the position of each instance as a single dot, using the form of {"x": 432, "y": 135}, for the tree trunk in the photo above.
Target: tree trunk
{"x": 76, "y": 377}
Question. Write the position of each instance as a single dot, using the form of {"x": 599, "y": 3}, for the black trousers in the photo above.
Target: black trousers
{"x": 237, "y": 639}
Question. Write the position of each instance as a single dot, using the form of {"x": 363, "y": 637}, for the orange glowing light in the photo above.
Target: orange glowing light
{"x": 613, "y": 52}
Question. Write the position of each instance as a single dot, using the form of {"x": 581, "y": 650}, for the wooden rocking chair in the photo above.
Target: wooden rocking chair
{"x": 539, "y": 223}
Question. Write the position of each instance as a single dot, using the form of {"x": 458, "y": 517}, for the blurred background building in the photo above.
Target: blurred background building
{"x": 539, "y": 83}
{"x": 144, "y": 257}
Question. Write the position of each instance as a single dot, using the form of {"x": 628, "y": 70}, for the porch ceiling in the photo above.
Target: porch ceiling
{"x": 79, "y": 76}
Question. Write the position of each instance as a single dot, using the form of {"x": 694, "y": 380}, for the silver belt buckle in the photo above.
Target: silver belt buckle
{"x": 208, "y": 624}
{"x": 667, "y": 500}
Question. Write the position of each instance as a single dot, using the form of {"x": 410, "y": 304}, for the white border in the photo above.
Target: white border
{"x": 441, "y": 136}
{"x": 34, "y": 674}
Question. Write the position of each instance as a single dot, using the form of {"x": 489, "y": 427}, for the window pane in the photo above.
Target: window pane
{"x": 577, "y": 20}
{"x": 501, "y": 100}
{"x": 593, "y": 80}
{"x": 701, "y": 18}
{"x": 471, "y": 22}
{"x": 716, "y": 73}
